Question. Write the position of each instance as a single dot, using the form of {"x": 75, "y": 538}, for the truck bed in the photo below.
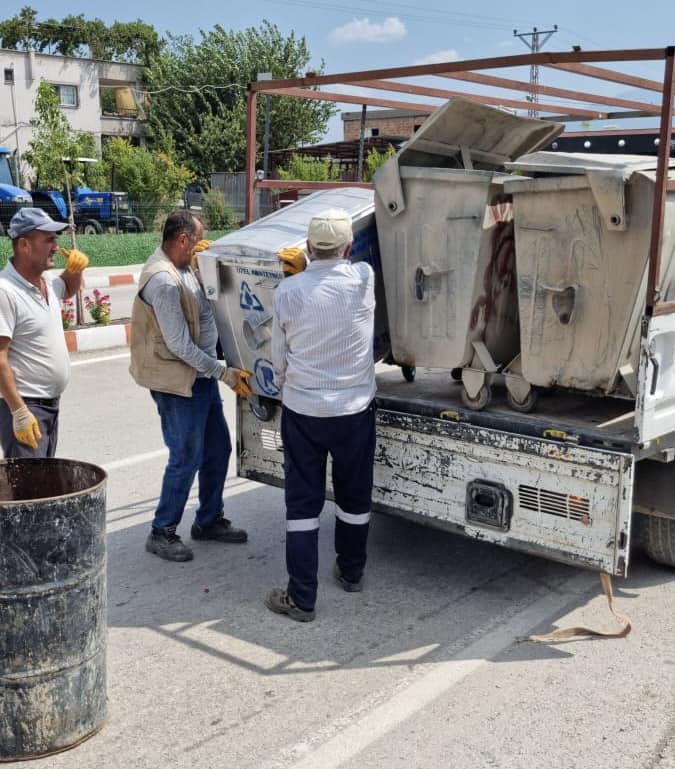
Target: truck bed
{"x": 578, "y": 418}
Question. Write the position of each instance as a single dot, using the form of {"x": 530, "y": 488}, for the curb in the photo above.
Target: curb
{"x": 98, "y": 337}
{"x": 107, "y": 281}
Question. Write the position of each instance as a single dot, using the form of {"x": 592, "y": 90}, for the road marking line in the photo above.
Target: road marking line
{"x": 354, "y": 739}
{"x": 135, "y": 459}
{"x": 100, "y": 359}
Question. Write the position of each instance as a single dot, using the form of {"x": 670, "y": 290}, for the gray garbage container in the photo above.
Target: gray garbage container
{"x": 445, "y": 227}
{"x": 582, "y": 232}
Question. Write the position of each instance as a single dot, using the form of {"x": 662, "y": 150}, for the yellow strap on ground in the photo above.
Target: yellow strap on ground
{"x": 563, "y": 634}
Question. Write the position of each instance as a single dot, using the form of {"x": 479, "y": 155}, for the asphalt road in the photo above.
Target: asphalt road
{"x": 420, "y": 671}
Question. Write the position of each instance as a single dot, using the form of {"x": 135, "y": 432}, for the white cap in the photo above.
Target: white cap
{"x": 330, "y": 229}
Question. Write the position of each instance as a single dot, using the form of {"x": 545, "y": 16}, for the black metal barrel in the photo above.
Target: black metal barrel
{"x": 52, "y": 605}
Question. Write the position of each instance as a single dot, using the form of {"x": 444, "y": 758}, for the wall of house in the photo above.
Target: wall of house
{"x": 403, "y": 126}
{"x": 28, "y": 68}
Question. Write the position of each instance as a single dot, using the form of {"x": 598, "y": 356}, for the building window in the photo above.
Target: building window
{"x": 9, "y": 76}
{"x": 67, "y": 95}
{"x": 374, "y": 131}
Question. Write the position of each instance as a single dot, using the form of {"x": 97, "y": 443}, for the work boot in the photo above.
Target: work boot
{"x": 221, "y": 530}
{"x": 345, "y": 584}
{"x": 168, "y": 545}
{"x": 280, "y": 602}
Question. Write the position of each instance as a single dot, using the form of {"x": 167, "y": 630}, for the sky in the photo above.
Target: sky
{"x": 350, "y": 35}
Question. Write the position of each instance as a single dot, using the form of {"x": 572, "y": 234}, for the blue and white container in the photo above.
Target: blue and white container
{"x": 240, "y": 272}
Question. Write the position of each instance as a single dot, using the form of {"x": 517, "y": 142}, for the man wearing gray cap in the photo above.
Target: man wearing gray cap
{"x": 34, "y": 362}
{"x": 322, "y": 350}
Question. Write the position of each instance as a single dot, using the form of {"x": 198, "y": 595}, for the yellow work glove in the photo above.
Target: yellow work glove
{"x": 201, "y": 246}
{"x": 292, "y": 260}
{"x": 26, "y": 428}
{"x": 237, "y": 379}
{"x": 76, "y": 261}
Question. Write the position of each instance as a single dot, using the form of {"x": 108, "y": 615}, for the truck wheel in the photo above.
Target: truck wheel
{"x": 657, "y": 536}
{"x": 135, "y": 225}
{"x": 480, "y": 401}
{"x": 92, "y": 227}
{"x": 409, "y": 373}
{"x": 523, "y": 406}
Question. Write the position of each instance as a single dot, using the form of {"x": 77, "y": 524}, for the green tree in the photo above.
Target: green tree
{"x": 310, "y": 169}
{"x": 134, "y": 41}
{"x": 375, "y": 159}
{"x": 216, "y": 212}
{"x": 53, "y": 140}
{"x": 198, "y": 96}
{"x": 19, "y": 32}
{"x": 154, "y": 180}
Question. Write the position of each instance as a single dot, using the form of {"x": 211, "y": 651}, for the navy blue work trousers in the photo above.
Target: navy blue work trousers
{"x": 308, "y": 441}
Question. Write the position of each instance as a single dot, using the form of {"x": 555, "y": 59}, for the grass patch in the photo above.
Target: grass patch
{"x": 109, "y": 249}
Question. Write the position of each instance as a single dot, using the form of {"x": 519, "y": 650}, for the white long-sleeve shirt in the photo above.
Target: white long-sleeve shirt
{"x": 322, "y": 338}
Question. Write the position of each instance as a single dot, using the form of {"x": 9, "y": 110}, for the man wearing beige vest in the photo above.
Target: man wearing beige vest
{"x": 173, "y": 354}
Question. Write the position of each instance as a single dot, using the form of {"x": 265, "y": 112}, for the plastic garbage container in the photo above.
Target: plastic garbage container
{"x": 52, "y": 605}
{"x": 240, "y": 272}
{"x": 445, "y": 227}
{"x": 582, "y": 230}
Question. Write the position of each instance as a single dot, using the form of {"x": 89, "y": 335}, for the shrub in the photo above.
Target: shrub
{"x": 216, "y": 212}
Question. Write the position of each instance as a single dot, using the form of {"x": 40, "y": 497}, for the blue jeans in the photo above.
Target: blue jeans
{"x": 196, "y": 434}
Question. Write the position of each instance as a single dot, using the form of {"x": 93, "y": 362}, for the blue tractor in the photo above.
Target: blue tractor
{"x": 12, "y": 198}
{"x": 94, "y": 212}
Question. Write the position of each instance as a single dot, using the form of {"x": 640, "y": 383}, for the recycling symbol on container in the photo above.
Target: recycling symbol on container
{"x": 248, "y": 300}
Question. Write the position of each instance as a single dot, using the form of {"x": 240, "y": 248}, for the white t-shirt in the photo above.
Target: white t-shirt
{"x": 38, "y": 355}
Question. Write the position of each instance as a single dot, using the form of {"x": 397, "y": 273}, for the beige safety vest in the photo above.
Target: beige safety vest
{"x": 153, "y": 365}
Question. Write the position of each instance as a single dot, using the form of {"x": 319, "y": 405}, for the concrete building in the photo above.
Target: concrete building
{"x": 397, "y": 123}
{"x": 96, "y": 96}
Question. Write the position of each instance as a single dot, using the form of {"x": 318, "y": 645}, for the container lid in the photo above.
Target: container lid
{"x": 465, "y": 135}
{"x": 288, "y": 226}
{"x": 581, "y": 163}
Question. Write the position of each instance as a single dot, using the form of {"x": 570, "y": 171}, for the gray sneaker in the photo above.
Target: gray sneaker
{"x": 280, "y": 602}
{"x": 168, "y": 545}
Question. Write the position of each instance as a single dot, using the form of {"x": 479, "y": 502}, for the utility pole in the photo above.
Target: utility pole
{"x": 535, "y": 44}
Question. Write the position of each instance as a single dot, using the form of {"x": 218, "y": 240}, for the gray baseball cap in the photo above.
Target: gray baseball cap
{"x": 26, "y": 220}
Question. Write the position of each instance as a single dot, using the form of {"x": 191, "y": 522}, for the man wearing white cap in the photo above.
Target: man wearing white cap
{"x": 322, "y": 350}
{"x": 34, "y": 362}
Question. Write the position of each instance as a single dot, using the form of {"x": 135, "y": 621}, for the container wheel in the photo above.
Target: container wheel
{"x": 480, "y": 401}
{"x": 523, "y": 406}
{"x": 409, "y": 373}
{"x": 92, "y": 227}
{"x": 657, "y": 537}
{"x": 263, "y": 409}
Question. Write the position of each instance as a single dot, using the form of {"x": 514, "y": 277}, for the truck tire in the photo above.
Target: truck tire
{"x": 657, "y": 537}
{"x": 135, "y": 225}
{"x": 92, "y": 227}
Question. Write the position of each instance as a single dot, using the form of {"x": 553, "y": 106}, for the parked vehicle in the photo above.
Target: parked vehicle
{"x": 12, "y": 197}
{"x": 94, "y": 212}
{"x": 577, "y": 475}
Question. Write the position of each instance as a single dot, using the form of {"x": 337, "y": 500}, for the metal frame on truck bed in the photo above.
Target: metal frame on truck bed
{"x": 565, "y": 481}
